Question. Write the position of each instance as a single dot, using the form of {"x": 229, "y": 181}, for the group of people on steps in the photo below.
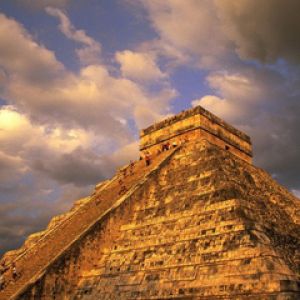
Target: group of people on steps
{"x": 14, "y": 274}
{"x": 164, "y": 147}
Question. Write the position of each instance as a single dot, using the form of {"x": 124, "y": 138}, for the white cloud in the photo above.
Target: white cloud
{"x": 139, "y": 66}
{"x": 68, "y": 123}
{"x": 19, "y": 137}
{"x": 61, "y": 130}
{"x": 22, "y": 57}
{"x": 296, "y": 193}
{"x": 129, "y": 152}
{"x": 188, "y": 28}
{"x": 239, "y": 97}
{"x": 218, "y": 106}
{"x": 38, "y": 85}
{"x": 30, "y": 196}
{"x": 90, "y": 54}
{"x": 73, "y": 156}
{"x": 17, "y": 131}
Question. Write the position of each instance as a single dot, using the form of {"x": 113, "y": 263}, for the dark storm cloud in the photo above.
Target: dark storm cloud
{"x": 15, "y": 227}
{"x": 277, "y": 146}
{"x": 264, "y": 30}
{"x": 81, "y": 167}
{"x": 265, "y": 104}
{"x": 26, "y": 209}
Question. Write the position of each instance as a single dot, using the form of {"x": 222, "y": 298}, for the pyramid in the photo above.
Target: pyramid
{"x": 200, "y": 222}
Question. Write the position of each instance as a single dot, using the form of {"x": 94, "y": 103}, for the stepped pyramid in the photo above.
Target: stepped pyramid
{"x": 200, "y": 222}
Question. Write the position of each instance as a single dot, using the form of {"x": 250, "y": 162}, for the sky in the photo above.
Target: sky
{"x": 79, "y": 79}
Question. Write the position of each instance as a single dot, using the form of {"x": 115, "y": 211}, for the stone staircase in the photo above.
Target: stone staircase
{"x": 33, "y": 262}
{"x": 13, "y": 255}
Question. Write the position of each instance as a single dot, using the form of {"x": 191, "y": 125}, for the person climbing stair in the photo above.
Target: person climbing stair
{"x": 147, "y": 159}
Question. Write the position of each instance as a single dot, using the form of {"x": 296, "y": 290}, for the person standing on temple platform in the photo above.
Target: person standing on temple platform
{"x": 14, "y": 272}
{"x": 98, "y": 200}
{"x": 123, "y": 190}
{"x": 2, "y": 268}
{"x": 131, "y": 166}
{"x": 147, "y": 159}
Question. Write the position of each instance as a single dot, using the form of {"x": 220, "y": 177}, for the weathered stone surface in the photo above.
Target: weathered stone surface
{"x": 196, "y": 124}
{"x": 200, "y": 224}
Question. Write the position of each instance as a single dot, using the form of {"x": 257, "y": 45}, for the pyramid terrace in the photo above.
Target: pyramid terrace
{"x": 194, "y": 125}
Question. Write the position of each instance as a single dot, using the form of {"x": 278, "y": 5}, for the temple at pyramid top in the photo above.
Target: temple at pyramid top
{"x": 195, "y": 124}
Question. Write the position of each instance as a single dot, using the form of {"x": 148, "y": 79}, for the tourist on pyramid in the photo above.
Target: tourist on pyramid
{"x": 1, "y": 281}
{"x": 14, "y": 272}
{"x": 123, "y": 190}
{"x": 131, "y": 167}
{"x": 147, "y": 159}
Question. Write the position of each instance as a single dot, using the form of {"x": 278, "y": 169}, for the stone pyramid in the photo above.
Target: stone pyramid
{"x": 200, "y": 222}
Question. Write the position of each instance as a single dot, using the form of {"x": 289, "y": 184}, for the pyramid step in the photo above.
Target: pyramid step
{"x": 62, "y": 236}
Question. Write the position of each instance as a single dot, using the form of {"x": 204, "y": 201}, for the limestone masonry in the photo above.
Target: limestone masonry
{"x": 196, "y": 124}
{"x": 200, "y": 222}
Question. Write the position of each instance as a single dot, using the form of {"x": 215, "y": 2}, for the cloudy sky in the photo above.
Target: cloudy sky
{"x": 78, "y": 79}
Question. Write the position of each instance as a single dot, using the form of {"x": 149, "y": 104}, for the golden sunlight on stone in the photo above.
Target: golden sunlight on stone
{"x": 192, "y": 219}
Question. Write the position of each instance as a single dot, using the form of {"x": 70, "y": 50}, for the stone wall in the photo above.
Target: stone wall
{"x": 196, "y": 124}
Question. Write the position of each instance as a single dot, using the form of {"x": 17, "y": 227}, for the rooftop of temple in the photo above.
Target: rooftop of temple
{"x": 195, "y": 124}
